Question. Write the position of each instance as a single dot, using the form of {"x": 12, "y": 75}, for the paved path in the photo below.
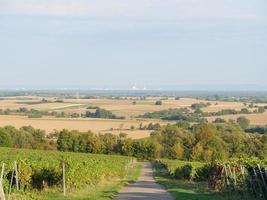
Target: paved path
{"x": 145, "y": 188}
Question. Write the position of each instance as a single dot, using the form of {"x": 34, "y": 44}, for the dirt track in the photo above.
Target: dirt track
{"x": 145, "y": 188}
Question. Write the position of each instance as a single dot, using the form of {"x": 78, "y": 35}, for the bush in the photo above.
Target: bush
{"x": 45, "y": 177}
{"x": 203, "y": 173}
{"x": 219, "y": 120}
{"x": 102, "y": 113}
{"x": 184, "y": 172}
{"x": 197, "y": 106}
{"x": 243, "y": 122}
{"x": 158, "y": 103}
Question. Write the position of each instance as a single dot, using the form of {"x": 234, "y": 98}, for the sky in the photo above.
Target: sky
{"x": 119, "y": 43}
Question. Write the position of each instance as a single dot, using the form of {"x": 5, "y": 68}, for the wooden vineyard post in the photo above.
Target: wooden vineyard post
{"x": 11, "y": 183}
{"x": 244, "y": 182}
{"x": 234, "y": 174}
{"x": 2, "y": 194}
{"x": 17, "y": 175}
{"x": 227, "y": 180}
{"x": 226, "y": 174}
{"x": 64, "y": 178}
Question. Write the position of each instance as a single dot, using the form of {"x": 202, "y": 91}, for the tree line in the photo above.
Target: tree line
{"x": 33, "y": 113}
{"x": 198, "y": 115}
{"x": 198, "y": 142}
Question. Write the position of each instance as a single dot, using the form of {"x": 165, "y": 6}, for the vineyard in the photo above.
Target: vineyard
{"x": 246, "y": 178}
{"x": 24, "y": 171}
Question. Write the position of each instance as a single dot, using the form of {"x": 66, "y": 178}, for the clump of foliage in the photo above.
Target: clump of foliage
{"x": 219, "y": 120}
{"x": 243, "y": 122}
{"x": 176, "y": 114}
{"x": 25, "y": 137}
{"x": 196, "y": 106}
{"x": 203, "y": 173}
{"x": 150, "y": 126}
{"x": 102, "y": 113}
{"x": 158, "y": 103}
{"x": 185, "y": 172}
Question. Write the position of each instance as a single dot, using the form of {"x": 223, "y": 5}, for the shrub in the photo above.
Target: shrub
{"x": 219, "y": 120}
{"x": 45, "y": 177}
{"x": 197, "y": 106}
{"x": 243, "y": 122}
{"x": 158, "y": 103}
{"x": 184, "y": 172}
{"x": 203, "y": 173}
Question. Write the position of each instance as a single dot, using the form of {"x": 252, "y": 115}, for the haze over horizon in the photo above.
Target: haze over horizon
{"x": 105, "y": 43}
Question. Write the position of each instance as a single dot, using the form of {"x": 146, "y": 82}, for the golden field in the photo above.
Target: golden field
{"x": 120, "y": 107}
{"x": 95, "y": 125}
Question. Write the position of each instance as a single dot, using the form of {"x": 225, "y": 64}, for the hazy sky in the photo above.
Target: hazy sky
{"x": 122, "y": 42}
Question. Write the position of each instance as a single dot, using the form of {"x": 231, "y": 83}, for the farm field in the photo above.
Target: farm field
{"x": 95, "y": 125}
{"x": 128, "y": 107}
{"x": 120, "y": 107}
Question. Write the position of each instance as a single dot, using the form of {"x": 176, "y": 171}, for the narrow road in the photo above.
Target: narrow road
{"x": 145, "y": 188}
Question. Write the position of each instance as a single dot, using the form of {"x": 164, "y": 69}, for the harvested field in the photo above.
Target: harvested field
{"x": 96, "y": 125}
{"x": 126, "y": 108}
{"x": 120, "y": 107}
{"x": 15, "y": 104}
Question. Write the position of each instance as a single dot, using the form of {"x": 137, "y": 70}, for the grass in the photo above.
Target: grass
{"x": 186, "y": 190}
{"x": 105, "y": 190}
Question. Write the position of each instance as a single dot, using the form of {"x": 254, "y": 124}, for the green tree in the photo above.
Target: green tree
{"x": 243, "y": 122}
{"x": 177, "y": 151}
{"x": 158, "y": 103}
{"x": 64, "y": 141}
{"x": 5, "y": 138}
{"x": 183, "y": 124}
{"x": 219, "y": 120}
{"x": 197, "y": 153}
